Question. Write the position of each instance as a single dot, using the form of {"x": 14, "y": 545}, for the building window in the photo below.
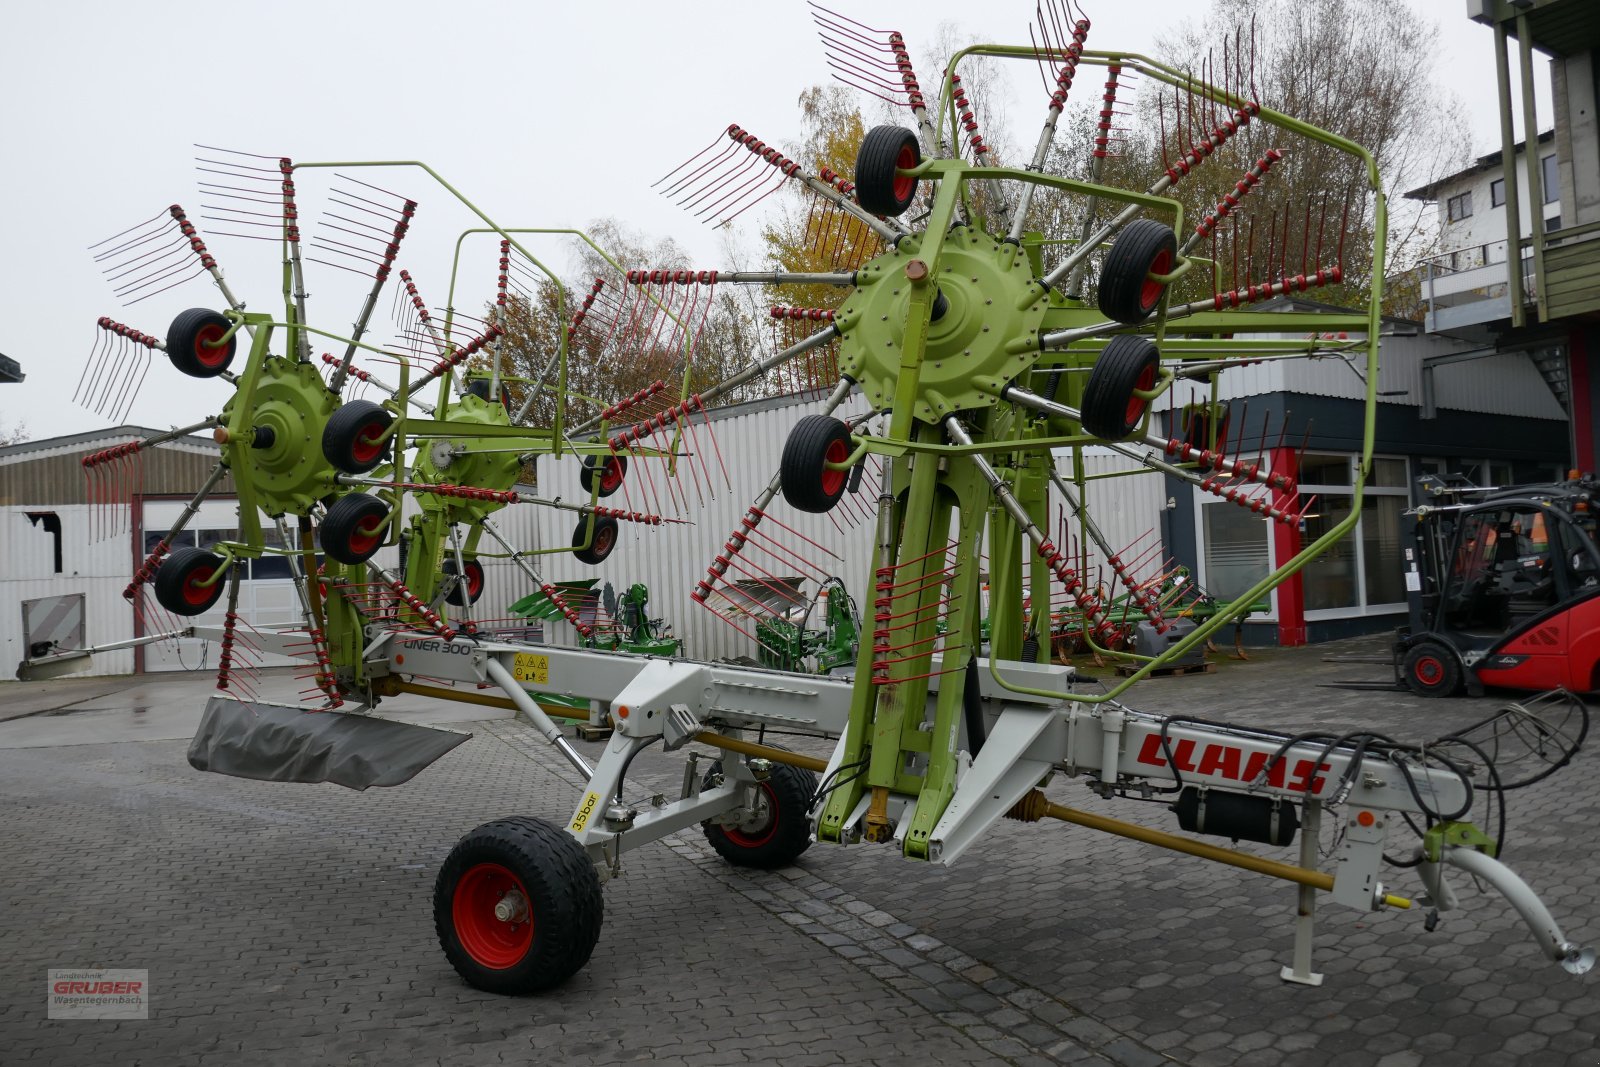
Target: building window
{"x": 1238, "y": 550}
{"x": 1551, "y": 178}
{"x": 1552, "y": 224}
{"x": 1459, "y": 207}
{"x": 1497, "y": 192}
{"x": 1364, "y": 571}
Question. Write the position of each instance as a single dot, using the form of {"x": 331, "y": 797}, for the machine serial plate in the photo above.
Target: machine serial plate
{"x": 531, "y": 667}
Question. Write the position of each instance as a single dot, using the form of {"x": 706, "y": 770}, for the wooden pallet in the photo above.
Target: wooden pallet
{"x": 1126, "y": 669}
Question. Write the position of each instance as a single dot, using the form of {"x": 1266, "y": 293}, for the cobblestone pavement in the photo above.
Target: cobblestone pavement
{"x": 285, "y": 922}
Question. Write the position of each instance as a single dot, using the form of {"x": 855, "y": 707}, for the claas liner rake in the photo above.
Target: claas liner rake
{"x": 978, "y": 351}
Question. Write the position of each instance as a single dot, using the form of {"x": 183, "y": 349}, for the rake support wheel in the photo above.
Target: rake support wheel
{"x": 608, "y": 471}
{"x": 517, "y": 906}
{"x": 1127, "y": 293}
{"x": 604, "y": 540}
{"x": 353, "y": 439}
{"x": 1111, "y": 408}
{"x": 777, "y": 831}
{"x": 352, "y": 531}
{"x": 884, "y": 150}
{"x": 190, "y": 342}
{"x": 179, "y": 581}
{"x": 808, "y": 484}
{"x": 467, "y": 591}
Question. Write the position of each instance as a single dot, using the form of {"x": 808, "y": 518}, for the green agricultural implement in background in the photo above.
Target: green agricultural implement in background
{"x": 792, "y": 644}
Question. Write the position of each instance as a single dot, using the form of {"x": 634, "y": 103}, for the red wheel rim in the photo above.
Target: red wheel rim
{"x": 905, "y": 187}
{"x": 832, "y": 480}
{"x": 194, "y": 593}
{"x": 365, "y": 537}
{"x": 367, "y": 445}
{"x": 1137, "y": 403}
{"x": 756, "y": 840}
{"x": 491, "y": 941}
{"x": 206, "y": 336}
{"x": 611, "y": 475}
{"x": 474, "y": 579}
{"x": 604, "y": 538}
{"x": 1150, "y": 291}
{"x": 1428, "y": 670}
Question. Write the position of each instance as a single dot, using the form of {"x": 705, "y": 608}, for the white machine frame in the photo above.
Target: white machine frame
{"x": 1028, "y": 739}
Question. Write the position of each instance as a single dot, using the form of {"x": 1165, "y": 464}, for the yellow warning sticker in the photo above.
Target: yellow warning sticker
{"x": 586, "y": 809}
{"x": 531, "y": 667}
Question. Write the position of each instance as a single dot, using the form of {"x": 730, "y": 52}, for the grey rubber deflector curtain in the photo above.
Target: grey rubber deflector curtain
{"x": 276, "y": 743}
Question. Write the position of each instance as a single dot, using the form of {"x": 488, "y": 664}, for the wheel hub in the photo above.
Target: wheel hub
{"x": 512, "y": 908}
{"x": 292, "y": 402}
{"x": 753, "y": 819}
{"x": 449, "y": 459}
{"x": 971, "y": 351}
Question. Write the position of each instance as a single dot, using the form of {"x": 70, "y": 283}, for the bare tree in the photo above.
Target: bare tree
{"x": 13, "y": 435}
{"x": 633, "y": 332}
{"x": 1356, "y": 68}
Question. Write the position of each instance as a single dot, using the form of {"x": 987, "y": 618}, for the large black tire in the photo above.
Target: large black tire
{"x": 479, "y": 387}
{"x": 1111, "y": 411}
{"x": 611, "y": 471}
{"x": 1431, "y": 669}
{"x": 561, "y": 907}
{"x": 471, "y": 585}
{"x": 1144, "y": 247}
{"x": 606, "y": 532}
{"x": 178, "y": 581}
{"x": 776, "y": 836}
{"x": 352, "y": 531}
{"x": 189, "y": 341}
{"x": 808, "y": 485}
{"x": 353, "y": 440}
{"x": 878, "y": 188}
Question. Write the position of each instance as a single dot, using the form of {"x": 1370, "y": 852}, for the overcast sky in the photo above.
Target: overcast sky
{"x": 544, "y": 115}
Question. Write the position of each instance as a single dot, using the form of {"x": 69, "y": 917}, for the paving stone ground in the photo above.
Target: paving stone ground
{"x": 287, "y": 923}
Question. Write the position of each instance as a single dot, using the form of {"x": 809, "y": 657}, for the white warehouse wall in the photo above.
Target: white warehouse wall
{"x": 670, "y": 559}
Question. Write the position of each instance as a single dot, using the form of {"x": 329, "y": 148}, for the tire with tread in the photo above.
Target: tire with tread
{"x": 352, "y": 530}
{"x": 611, "y": 471}
{"x": 1110, "y": 409}
{"x": 471, "y": 585}
{"x": 1430, "y": 669}
{"x": 1126, "y": 293}
{"x": 878, "y": 188}
{"x": 778, "y": 841}
{"x": 479, "y": 387}
{"x": 187, "y": 346}
{"x": 606, "y": 532}
{"x": 564, "y": 906}
{"x": 808, "y": 485}
{"x": 177, "y": 583}
{"x": 350, "y": 440}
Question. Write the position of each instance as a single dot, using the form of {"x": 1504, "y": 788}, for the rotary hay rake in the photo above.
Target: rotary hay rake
{"x": 975, "y": 361}
{"x": 293, "y": 449}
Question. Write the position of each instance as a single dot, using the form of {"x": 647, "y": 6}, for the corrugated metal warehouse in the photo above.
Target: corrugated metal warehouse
{"x": 670, "y": 559}
{"x": 67, "y": 550}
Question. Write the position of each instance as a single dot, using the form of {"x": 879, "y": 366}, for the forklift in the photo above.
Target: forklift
{"x": 1503, "y": 586}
